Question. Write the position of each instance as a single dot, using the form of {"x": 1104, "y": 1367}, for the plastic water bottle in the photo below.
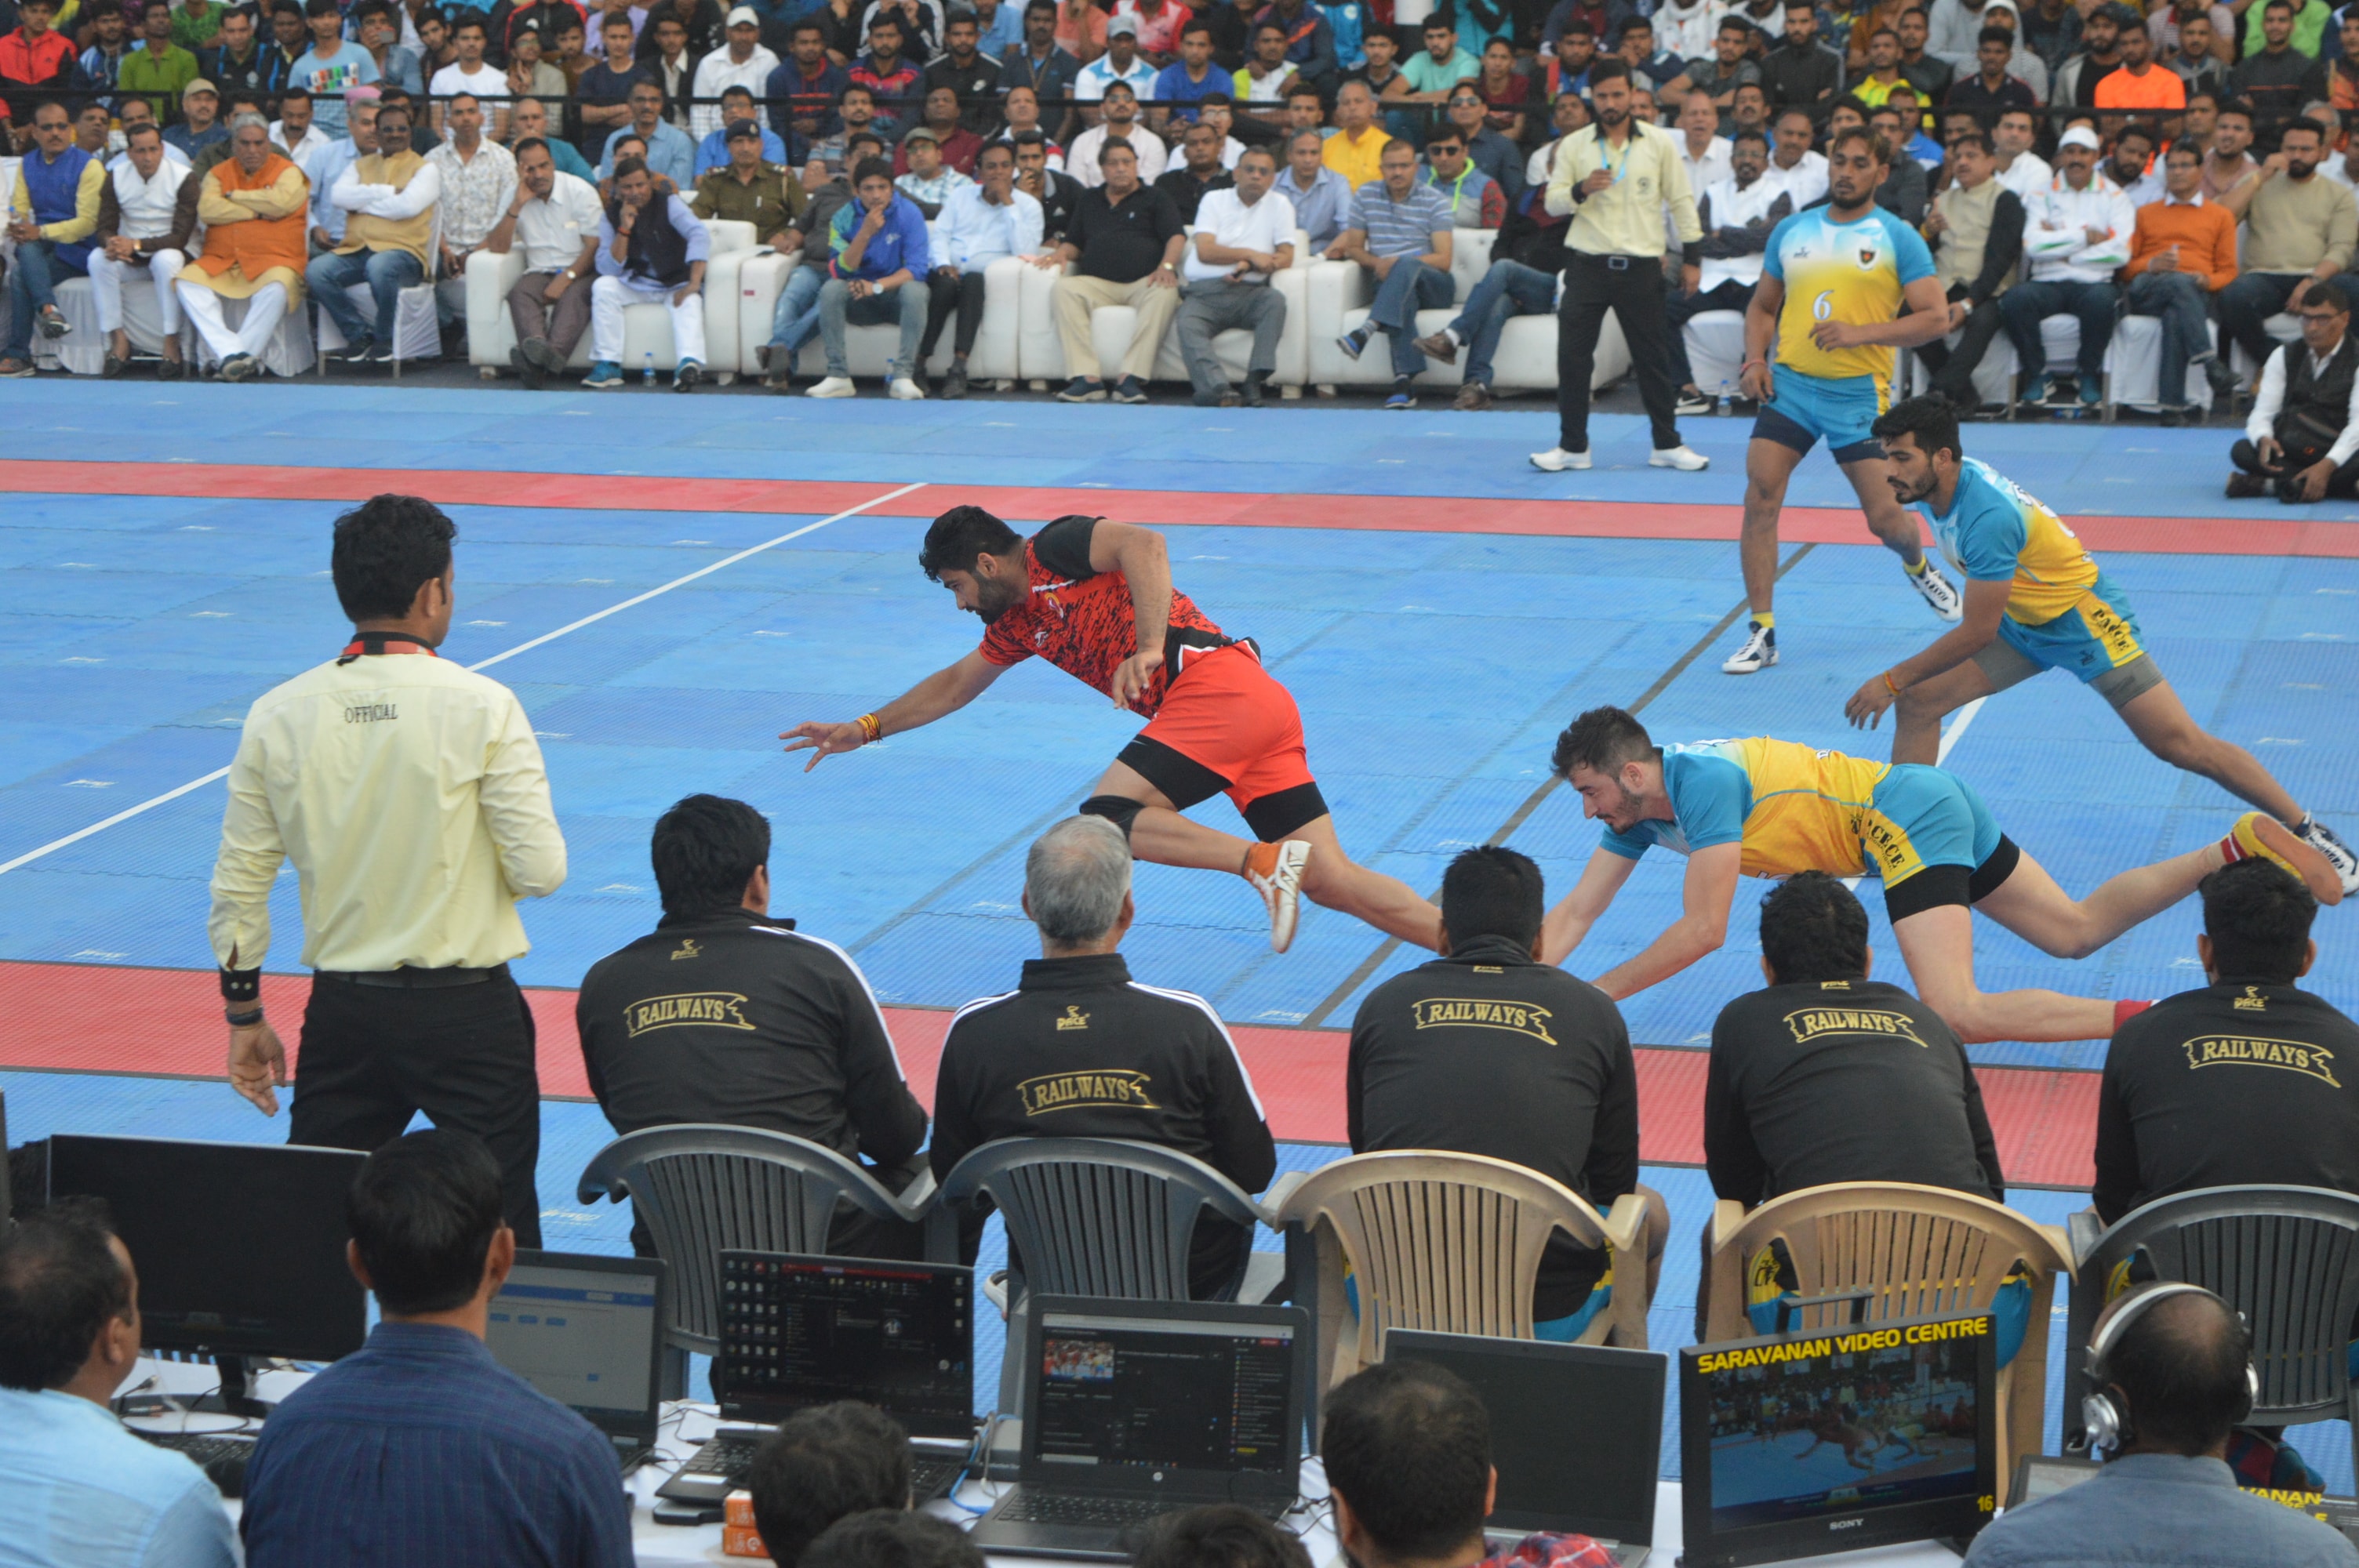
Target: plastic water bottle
{"x": 648, "y": 376}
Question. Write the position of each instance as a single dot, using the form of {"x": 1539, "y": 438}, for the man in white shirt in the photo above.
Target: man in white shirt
{"x": 1119, "y": 108}
{"x": 479, "y": 183}
{"x": 1701, "y": 149}
{"x": 1798, "y": 170}
{"x": 295, "y": 132}
{"x": 1737, "y": 215}
{"x": 2308, "y": 390}
{"x": 981, "y": 224}
{"x": 139, "y": 230}
{"x": 2021, "y": 169}
{"x": 468, "y": 74}
{"x": 1244, "y": 235}
{"x": 410, "y": 795}
{"x": 1122, "y": 63}
{"x": 555, "y": 217}
{"x": 2076, "y": 235}
{"x": 743, "y": 63}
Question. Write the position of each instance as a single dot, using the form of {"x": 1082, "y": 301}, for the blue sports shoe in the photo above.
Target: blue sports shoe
{"x": 604, "y": 376}
{"x": 1401, "y": 401}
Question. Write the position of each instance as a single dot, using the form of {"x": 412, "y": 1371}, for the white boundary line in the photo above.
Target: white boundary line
{"x": 171, "y": 794}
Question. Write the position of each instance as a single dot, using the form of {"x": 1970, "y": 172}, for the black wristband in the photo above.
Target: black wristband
{"x": 243, "y": 1020}
{"x": 242, "y": 985}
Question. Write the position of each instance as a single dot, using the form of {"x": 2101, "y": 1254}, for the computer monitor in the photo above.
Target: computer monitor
{"x": 1837, "y": 1439}
{"x": 1576, "y": 1429}
{"x": 587, "y": 1330}
{"x": 240, "y": 1247}
{"x": 799, "y": 1330}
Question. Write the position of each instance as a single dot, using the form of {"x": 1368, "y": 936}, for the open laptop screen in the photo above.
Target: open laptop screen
{"x": 1576, "y": 1429}
{"x": 1142, "y": 1394}
{"x": 585, "y": 1331}
{"x": 798, "y": 1331}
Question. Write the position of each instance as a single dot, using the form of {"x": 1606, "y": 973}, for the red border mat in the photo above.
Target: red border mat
{"x": 167, "y": 1022}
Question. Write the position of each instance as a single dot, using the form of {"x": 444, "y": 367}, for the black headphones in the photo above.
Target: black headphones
{"x": 2104, "y": 1418}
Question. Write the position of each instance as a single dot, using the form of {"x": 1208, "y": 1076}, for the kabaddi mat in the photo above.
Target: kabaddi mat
{"x": 669, "y": 586}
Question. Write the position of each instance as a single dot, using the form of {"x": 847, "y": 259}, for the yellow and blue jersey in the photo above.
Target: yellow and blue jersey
{"x": 1794, "y": 808}
{"x": 1993, "y": 532}
{"x": 1842, "y": 272}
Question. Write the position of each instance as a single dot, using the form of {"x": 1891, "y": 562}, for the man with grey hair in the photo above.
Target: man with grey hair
{"x": 1081, "y": 1050}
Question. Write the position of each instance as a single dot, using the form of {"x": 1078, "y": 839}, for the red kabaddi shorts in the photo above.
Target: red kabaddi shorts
{"x": 1227, "y": 726}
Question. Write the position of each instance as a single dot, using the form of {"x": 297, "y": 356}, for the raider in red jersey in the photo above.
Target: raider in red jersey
{"x": 1094, "y": 598}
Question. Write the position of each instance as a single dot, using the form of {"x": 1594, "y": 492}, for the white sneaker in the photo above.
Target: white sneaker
{"x": 2325, "y": 840}
{"x": 1687, "y": 460}
{"x": 1556, "y": 460}
{"x": 1938, "y": 592}
{"x": 1760, "y": 651}
{"x": 907, "y": 391}
{"x": 833, "y": 386}
{"x": 1276, "y": 872}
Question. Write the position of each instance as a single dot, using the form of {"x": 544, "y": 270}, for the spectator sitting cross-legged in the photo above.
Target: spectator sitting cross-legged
{"x": 1125, "y": 240}
{"x": 2302, "y": 441}
{"x": 1977, "y": 227}
{"x": 805, "y": 1051}
{"x": 981, "y": 224}
{"x": 419, "y": 1447}
{"x": 555, "y": 216}
{"x": 1245, "y": 237}
{"x": 1407, "y": 1448}
{"x": 88, "y": 1493}
{"x": 823, "y": 1464}
{"x": 651, "y": 251}
{"x": 1079, "y": 1050}
{"x": 1400, "y": 235}
{"x": 879, "y": 252}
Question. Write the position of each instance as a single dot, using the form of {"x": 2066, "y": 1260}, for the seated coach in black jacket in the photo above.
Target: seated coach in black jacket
{"x": 725, "y": 1014}
{"x": 1490, "y": 1052}
{"x": 1081, "y": 1050}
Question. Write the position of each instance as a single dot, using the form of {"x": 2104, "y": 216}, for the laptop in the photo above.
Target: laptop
{"x": 1576, "y": 1434}
{"x": 798, "y": 1331}
{"x": 1135, "y": 1409}
{"x": 587, "y": 1330}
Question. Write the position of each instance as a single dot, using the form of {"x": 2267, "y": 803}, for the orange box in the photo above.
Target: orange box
{"x": 738, "y": 1509}
{"x": 738, "y": 1536}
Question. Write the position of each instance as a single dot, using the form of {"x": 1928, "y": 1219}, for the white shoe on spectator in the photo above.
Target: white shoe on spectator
{"x": 1556, "y": 460}
{"x": 908, "y": 391}
{"x": 833, "y": 386}
{"x": 1684, "y": 458}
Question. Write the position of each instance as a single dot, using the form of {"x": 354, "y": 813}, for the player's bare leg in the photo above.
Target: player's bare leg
{"x": 1768, "y": 466}
{"x": 1162, "y": 835}
{"x": 1917, "y": 717}
{"x": 2164, "y": 727}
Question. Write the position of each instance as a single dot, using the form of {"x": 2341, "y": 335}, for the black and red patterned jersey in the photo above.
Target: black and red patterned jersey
{"x": 1080, "y": 621}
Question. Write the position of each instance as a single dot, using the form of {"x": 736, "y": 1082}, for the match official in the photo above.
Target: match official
{"x": 409, "y": 792}
{"x": 1617, "y": 179}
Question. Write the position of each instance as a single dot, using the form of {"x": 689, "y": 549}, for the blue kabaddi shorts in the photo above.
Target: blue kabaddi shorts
{"x": 2097, "y": 640}
{"x": 1804, "y": 410}
{"x": 1933, "y": 840}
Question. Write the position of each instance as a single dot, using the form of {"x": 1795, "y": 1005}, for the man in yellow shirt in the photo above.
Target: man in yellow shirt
{"x": 1356, "y": 150}
{"x": 409, "y": 794}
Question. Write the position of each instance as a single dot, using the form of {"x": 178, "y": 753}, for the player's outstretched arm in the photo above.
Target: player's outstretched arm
{"x": 1761, "y": 337}
{"x": 1709, "y": 890}
{"x": 1142, "y": 557}
{"x": 1575, "y": 912}
{"x": 1986, "y": 606}
{"x": 945, "y": 691}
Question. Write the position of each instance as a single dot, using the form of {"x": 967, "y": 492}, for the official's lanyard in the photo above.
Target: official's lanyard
{"x": 382, "y": 643}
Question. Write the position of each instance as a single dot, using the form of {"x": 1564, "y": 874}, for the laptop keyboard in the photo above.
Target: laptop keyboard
{"x": 1031, "y": 1507}
{"x": 221, "y": 1456}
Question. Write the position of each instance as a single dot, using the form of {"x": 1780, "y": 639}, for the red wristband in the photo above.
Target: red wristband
{"x": 2126, "y": 1011}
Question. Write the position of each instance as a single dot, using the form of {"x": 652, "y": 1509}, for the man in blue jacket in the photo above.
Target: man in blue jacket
{"x": 877, "y": 251}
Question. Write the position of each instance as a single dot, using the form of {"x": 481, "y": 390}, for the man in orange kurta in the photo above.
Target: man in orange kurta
{"x": 2184, "y": 252}
{"x": 255, "y": 204}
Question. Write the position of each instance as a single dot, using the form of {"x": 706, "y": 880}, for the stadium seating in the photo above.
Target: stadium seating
{"x": 647, "y": 328}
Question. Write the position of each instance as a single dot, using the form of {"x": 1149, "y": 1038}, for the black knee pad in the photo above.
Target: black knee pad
{"x": 1119, "y": 810}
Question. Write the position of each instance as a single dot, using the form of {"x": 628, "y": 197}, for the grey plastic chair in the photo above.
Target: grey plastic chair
{"x": 2288, "y": 1257}
{"x": 702, "y": 1188}
{"x": 1095, "y": 1216}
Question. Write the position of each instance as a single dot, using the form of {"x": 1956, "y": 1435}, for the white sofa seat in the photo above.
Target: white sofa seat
{"x": 763, "y": 277}
{"x": 82, "y": 349}
{"x": 647, "y": 328}
{"x": 1715, "y": 345}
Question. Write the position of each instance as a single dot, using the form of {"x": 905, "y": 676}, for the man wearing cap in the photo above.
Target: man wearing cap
{"x": 253, "y": 204}
{"x": 200, "y": 126}
{"x": 53, "y": 207}
{"x": 388, "y": 198}
{"x": 555, "y": 216}
{"x": 736, "y": 106}
{"x": 1122, "y": 63}
{"x": 753, "y": 188}
{"x": 479, "y": 183}
{"x": 158, "y": 68}
{"x": 929, "y": 181}
{"x": 742, "y": 64}
{"x": 2076, "y": 235}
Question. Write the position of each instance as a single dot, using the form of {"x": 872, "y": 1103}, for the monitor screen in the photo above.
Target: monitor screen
{"x": 1576, "y": 1429}
{"x": 240, "y": 1247}
{"x": 585, "y": 1331}
{"x": 1837, "y": 1439}
{"x": 802, "y": 1331}
{"x": 1133, "y": 1396}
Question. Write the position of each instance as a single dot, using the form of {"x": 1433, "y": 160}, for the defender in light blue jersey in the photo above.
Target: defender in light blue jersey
{"x": 1832, "y": 282}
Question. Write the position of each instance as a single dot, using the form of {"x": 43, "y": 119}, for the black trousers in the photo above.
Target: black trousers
{"x": 1632, "y": 290}
{"x": 2341, "y": 485}
{"x": 1954, "y": 369}
{"x": 962, "y": 296}
{"x": 374, "y": 1056}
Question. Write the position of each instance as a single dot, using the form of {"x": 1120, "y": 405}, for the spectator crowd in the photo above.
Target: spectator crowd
{"x": 2066, "y": 158}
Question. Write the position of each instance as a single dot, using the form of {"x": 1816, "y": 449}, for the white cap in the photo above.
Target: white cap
{"x": 2079, "y": 137}
{"x": 744, "y": 13}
